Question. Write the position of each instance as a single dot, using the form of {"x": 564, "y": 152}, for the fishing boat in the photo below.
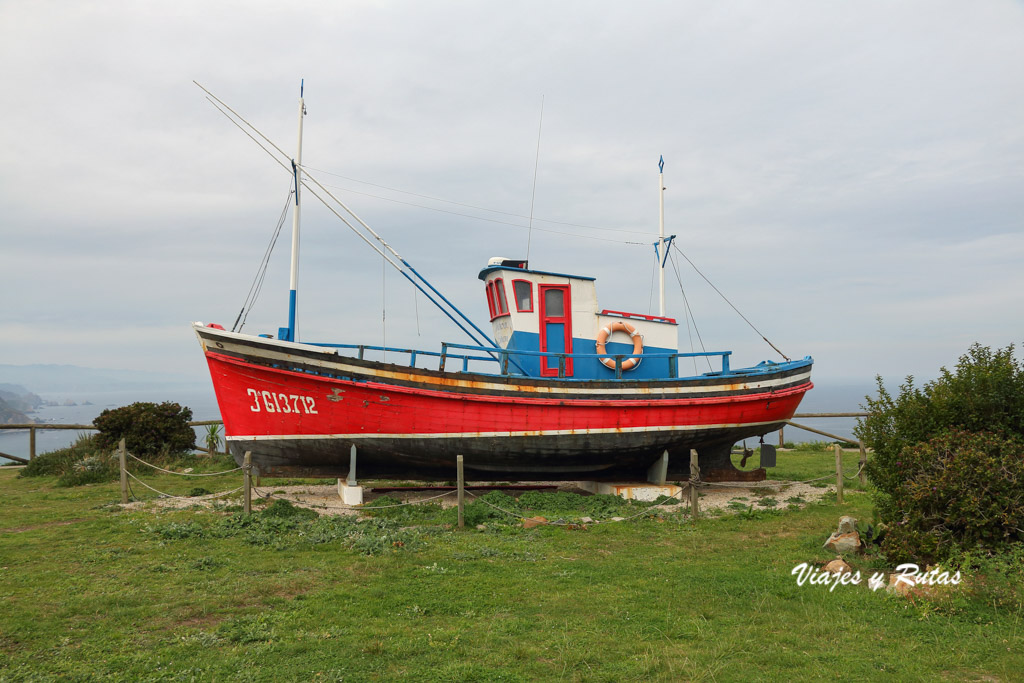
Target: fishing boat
{"x": 560, "y": 389}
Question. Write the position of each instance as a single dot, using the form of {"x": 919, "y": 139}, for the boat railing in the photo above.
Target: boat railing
{"x": 506, "y": 358}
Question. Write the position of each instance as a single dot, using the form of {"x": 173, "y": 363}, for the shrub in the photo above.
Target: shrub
{"x": 212, "y": 437}
{"x": 56, "y": 463}
{"x": 92, "y": 469}
{"x": 147, "y": 428}
{"x": 83, "y": 462}
{"x": 958, "y": 492}
{"x": 984, "y": 393}
{"x": 969, "y": 421}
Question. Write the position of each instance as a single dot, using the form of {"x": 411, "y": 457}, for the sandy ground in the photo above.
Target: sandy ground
{"x": 325, "y": 499}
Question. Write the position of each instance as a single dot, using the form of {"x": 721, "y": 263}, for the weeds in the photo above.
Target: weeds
{"x": 282, "y": 526}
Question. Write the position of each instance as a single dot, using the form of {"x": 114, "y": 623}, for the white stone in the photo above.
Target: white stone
{"x": 847, "y": 525}
{"x": 844, "y": 543}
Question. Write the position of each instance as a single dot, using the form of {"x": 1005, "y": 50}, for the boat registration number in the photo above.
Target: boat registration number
{"x": 268, "y": 401}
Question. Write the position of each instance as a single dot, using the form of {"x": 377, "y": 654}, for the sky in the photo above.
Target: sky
{"x": 849, "y": 175}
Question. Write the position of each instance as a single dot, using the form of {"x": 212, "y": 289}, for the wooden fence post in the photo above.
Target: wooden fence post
{"x": 31, "y": 443}
{"x": 694, "y": 480}
{"x": 839, "y": 474}
{"x": 247, "y": 469}
{"x": 122, "y": 456}
{"x": 782, "y": 439}
{"x": 460, "y": 473}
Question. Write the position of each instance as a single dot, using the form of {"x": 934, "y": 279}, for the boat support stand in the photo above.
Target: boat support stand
{"x": 350, "y": 491}
{"x": 655, "y": 486}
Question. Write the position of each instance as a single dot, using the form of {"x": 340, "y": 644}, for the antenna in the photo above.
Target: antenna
{"x": 536, "y": 163}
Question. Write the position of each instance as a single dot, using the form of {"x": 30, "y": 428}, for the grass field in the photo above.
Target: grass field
{"x": 89, "y": 591}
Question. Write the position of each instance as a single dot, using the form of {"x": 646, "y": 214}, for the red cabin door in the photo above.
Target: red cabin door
{"x": 555, "y": 327}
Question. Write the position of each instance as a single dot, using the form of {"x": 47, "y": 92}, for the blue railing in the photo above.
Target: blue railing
{"x": 507, "y": 357}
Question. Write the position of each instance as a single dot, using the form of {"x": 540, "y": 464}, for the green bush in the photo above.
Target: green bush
{"x": 984, "y": 393}
{"x": 147, "y": 428}
{"x": 83, "y": 462}
{"x": 958, "y": 492}
{"x": 92, "y": 469}
{"x": 54, "y": 463}
{"x": 971, "y": 418}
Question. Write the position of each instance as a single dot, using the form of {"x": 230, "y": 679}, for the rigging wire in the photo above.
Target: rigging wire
{"x": 494, "y": 220}
{"x": 401, "y": 270}
{"x": 730, "y": 303}
{"x": 416, "y": 308}
{"x": 688, "y": 313}
{"x": 464, "y": 205}
{"x": 650, "y": 299}
{"x": 224, "y": 109}
{"x": 257, "y": 284}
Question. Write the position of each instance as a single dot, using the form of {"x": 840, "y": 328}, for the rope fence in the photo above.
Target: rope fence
{"x": 123, "y": 456}
{"x": 184, "y": 474}
{"x": 163, "y": 494}
{"x": 694, "y": 484}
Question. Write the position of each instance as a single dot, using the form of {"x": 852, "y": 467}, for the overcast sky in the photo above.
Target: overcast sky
{"x": 850, "y": 175}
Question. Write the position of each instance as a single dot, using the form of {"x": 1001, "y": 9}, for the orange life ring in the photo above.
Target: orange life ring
{"x": 638, "y": 344}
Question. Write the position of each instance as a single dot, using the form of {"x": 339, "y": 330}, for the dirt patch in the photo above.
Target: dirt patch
{"x": 200, "y": 622}
{"x": 325, "y": 500}
{"x": 44, "y": 525}
{"x": 720, "y": 496}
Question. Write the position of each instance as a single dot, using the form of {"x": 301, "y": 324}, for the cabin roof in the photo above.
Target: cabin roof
{"x": 490, "y": 269}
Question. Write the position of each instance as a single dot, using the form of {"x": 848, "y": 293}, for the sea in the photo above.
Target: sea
{"x": 82, "y": 407}
{"x": 825, "y": 397}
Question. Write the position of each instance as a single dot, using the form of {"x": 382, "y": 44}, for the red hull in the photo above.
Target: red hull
{"x": 412, "y": 423}
{"x": 258, "y": 401}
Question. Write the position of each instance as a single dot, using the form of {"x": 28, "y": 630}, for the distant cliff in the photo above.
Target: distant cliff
{"x": 10, "y": 416}
{"x": 19, "y": 398}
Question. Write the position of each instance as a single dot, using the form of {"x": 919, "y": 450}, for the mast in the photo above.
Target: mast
{"x": 291, "y": 332}
{"x": 661, "y": 236}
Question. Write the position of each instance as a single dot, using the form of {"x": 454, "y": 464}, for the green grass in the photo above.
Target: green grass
{"x": 91, "y": 592}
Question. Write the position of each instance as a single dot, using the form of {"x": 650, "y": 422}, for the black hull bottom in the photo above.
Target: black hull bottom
{"x": 590, "y": 457}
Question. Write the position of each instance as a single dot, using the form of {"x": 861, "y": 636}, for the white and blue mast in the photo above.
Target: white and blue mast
{"x": 290, "y": 333}
{"x": 663, "y": 244}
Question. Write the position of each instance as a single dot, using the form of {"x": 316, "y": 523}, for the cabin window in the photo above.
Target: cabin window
{"x": 523, "y": 290}
{"x": 553, "y": 302}
{"x": 490, "y": 300}
{"x": 499, "y": 300}
{"x": 496, "y": 302}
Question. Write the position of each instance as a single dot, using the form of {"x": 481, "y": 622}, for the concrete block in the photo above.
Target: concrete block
{"x": 350, "y": 495}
